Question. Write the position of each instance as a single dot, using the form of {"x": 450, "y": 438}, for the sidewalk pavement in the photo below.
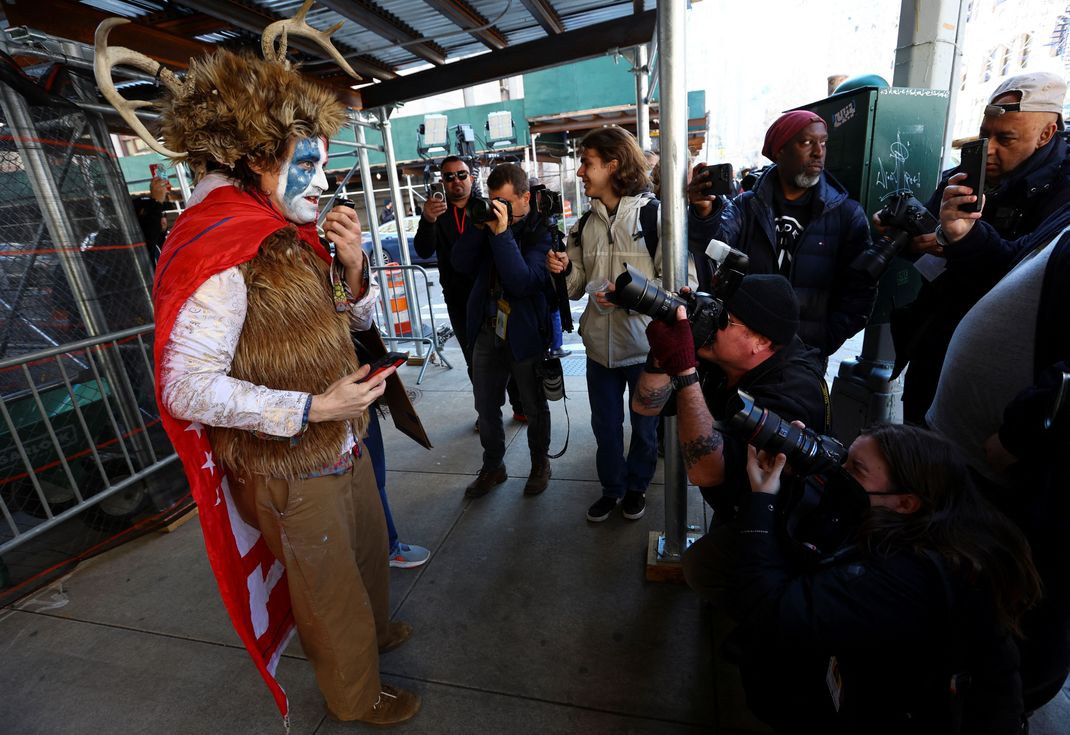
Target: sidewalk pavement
{"x": 528, "y": 619}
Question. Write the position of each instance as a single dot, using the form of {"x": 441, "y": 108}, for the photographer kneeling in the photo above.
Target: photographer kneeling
{"x": 755, "y": 349}
{"x": 906, "y": 628}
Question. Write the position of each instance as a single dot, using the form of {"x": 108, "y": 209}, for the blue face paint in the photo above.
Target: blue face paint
{"x": 302, "y": 166}
{"x": 302, "y": 181}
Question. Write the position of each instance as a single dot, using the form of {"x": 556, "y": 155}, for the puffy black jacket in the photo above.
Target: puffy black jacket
{"x": 899, "y": 627}
{"x": 834, "y": 302}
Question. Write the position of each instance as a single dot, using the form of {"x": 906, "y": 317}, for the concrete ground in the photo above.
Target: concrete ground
{"x": 528, "y": 619}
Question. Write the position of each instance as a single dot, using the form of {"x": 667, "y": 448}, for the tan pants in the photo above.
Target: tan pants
{"x": 330, "y": 532}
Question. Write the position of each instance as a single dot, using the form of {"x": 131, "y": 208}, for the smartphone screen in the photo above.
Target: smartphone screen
{"x": 390, "y": 359}
{"x": 719, "y": 180}
{"x": 974, "y": 156}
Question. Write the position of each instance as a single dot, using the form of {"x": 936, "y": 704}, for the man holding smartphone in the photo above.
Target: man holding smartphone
{"x": 1027, "y": 180}
{"x": 799, "y": 222}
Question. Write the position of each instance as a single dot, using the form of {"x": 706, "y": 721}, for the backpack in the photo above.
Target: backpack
{"x": 648, "y": 223}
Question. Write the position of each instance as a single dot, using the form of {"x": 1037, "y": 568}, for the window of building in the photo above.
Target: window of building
{"x": 1024, "y": 49}
{"x": 132, "y": 145}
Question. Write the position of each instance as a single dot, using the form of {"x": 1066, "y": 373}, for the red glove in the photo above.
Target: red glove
{"x": 672, "y": 345}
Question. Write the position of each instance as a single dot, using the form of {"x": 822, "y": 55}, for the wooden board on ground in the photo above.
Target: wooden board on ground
{"x": 659, "y": 570}
{"x": 180, "y": 521}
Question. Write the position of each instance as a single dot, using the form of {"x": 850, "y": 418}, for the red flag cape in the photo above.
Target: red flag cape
{"x": 222, "y": 231}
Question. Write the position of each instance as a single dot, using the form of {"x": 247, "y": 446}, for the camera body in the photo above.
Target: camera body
{"x": 705, "y": 311}
{"x": 547, "y": 204}
{"x": 720, "y": 180}
{"x": 905, "y": 218}
{"x": 482, "y": 211}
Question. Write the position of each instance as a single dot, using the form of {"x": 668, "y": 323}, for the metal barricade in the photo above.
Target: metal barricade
{"x": 70, "y": 440}
{"x": 403, "y": 313}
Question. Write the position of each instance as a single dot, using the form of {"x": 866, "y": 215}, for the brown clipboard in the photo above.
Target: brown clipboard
{"x": 395, "y": 396}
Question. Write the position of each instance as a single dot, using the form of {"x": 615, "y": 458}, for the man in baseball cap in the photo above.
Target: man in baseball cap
{"x": 1027, "y": 180}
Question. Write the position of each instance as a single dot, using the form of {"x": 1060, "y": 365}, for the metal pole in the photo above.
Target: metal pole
{"x": 412, "y": 200}
{"x": 403, "y": 237}
{"x": 642, "y": 103}
{"x": 576, "y": 181}
{"x": 373, "y": 217}
{"x": 534, "y": 156}
{"x": 671, "y": 35}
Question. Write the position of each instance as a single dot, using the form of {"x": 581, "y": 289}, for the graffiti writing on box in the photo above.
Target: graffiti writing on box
{"x": 895, "y": 176}
{"x": 843, "y": 115}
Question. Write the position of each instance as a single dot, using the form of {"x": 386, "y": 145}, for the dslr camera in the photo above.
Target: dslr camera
{"x": 905, "y": 218}
{"x": 547, "y": 204}
{"x": 706, "y": 312}
{"x": 481, "y": 210}
{"x": 807, "y": 451}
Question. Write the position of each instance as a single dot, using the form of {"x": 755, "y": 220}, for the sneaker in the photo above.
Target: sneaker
{"x": 397, "y": 633}
{"x": 634, "y": 505}
{"x": 601, "y": 509}
{"x": 392, "y": 707}
{"x": 407, "y": 556}
{"x": 560, "y": 352}
{"x": 485, "y": 481}
{"x": 539, "y": 479}
{"x": 519, "y": 416}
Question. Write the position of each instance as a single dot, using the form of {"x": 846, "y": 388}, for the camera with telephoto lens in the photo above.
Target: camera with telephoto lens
{"x": 905, "y": 218}
{"x": 706, "y": 312}
{"x": 807, "y": 451}
{"x": 481, "y": 210}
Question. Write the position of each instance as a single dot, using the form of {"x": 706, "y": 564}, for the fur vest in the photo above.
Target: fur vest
{"x": 292, "y": 339}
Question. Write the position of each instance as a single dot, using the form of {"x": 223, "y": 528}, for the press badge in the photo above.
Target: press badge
{"x": 502, "y": 321}
{"x": 835, "y": 682}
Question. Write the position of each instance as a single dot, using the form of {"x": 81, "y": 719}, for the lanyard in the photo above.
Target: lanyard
{"x": 459, "y": 222}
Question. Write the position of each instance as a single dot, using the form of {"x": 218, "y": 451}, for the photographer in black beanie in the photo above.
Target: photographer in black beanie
{"x": 756, "y": 350}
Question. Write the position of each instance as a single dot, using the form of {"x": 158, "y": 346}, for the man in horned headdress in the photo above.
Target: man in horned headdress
{"x": 258, "y": 383}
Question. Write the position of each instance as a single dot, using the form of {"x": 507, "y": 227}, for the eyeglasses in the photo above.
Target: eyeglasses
{"x": 451, "y": 175}
{"x": 732, "y": 323}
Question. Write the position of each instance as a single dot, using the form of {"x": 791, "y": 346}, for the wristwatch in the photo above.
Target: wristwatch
{"x": 679, "y": 382}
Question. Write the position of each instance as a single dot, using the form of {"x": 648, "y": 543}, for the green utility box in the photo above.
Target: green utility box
{"x": 881, "y": 141}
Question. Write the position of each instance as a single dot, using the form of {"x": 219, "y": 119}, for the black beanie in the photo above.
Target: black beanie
{"x": 767, "y": 304}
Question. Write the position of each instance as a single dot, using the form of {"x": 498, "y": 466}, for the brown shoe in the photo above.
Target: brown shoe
{"x": 539, "y": 479}
{"x": 396, "y": 634}
{"x": 485, "y": 481}
{"x": 393, "y": 707}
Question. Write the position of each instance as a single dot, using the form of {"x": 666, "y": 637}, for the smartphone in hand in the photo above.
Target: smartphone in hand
{"x": 390, "y": 359}
{"x": 974, "y": 158}
{"x": 719, "y": 180}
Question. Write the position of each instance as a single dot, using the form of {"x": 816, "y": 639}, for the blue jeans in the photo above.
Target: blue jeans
{"x": 605, "y": 388}
{"x": 556, "y": 338}
{"x": 374, "y": 443}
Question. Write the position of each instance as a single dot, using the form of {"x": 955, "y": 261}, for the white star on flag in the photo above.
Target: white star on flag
{"x": 195, "y": 426}
{"x": 208, "y": 463}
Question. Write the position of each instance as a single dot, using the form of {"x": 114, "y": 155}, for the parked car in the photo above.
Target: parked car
{"x": 388, "y": 236}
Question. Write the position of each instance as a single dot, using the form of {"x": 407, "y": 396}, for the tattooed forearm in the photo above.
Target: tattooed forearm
{"x": 699, "y": 447}
{"x": 653, "y": 397}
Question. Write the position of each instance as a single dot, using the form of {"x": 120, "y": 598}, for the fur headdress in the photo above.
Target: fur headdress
{"x": 233, "y": 107}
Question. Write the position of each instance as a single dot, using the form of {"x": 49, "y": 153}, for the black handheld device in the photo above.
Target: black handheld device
{"x": 974, "y": 157}
{"x": 719, "y": 180}
{"x": 390, "y": 359}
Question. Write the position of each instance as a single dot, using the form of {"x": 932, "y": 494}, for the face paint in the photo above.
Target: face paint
{"x": 302, "y": 181}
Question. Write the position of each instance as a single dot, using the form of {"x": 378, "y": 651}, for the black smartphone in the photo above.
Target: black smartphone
{"x": 390, "y": 359}
{"x": 974, "y": 158}
{"x": 719, "y": 180}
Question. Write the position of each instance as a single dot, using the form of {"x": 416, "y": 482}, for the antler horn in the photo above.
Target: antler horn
{"x": 105, "y": 58}
{"x": 298, "y": 27}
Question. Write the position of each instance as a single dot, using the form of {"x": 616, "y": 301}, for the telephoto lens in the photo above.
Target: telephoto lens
{"x": 482, "y": 210}
{"x": 633, "y": 291}
{"x": 807, "y": 451}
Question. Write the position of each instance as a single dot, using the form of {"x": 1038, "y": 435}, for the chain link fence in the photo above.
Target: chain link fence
{"x": 79, "y": 427}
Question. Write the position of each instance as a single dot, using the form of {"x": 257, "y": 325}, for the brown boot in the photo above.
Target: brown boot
{"x": 393, "y": 707}
{"x": 539, "y": 479}
{"x": 396, "y": 634}
{"x": 485, "y": 481}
